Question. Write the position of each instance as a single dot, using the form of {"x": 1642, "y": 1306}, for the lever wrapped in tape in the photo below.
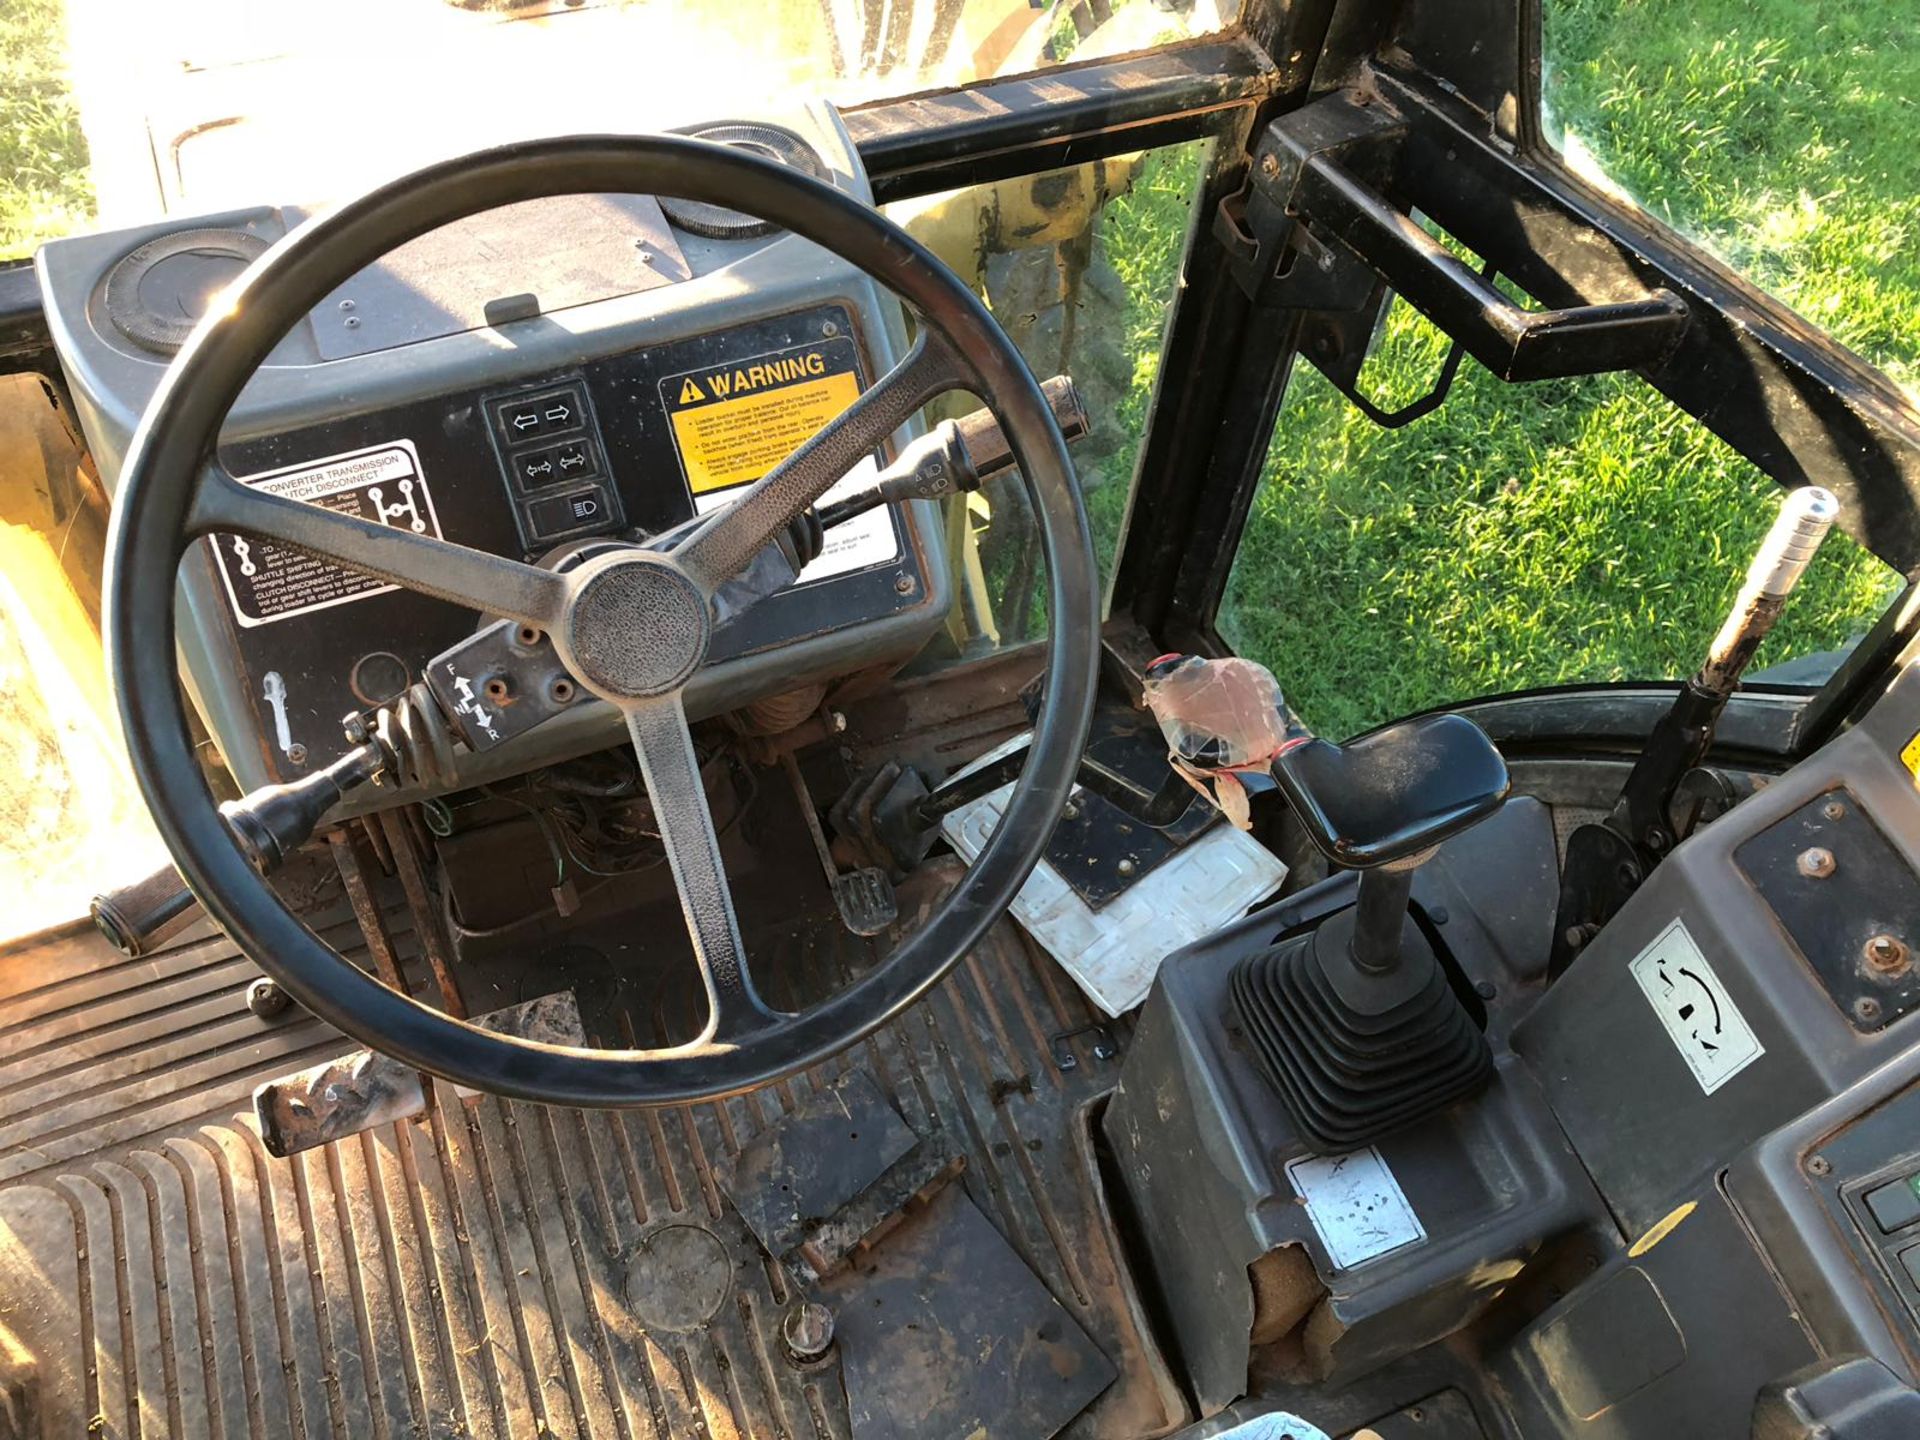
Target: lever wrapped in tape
{"x": 1225, "y": 722}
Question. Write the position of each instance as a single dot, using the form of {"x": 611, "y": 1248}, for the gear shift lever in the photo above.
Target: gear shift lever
{"x": 1355, "y": 1023}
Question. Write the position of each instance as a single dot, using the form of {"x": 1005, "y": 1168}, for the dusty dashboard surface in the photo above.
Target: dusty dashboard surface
{"x": 533, "y": 379}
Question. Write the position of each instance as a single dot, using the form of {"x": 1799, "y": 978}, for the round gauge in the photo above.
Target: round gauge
{"x": 157, "y": 294}
{"x": 770, "y": 142}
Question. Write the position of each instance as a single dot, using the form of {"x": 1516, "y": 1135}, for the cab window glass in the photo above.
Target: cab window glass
{"x": 1778, "y": 133}
{"x": 1560, "y": 532}
{"x": 113, "y": 113}
{"x": 1079, "y": 265}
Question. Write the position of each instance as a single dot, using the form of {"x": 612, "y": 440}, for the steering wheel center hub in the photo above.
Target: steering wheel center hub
{"x": 635, "y": 627}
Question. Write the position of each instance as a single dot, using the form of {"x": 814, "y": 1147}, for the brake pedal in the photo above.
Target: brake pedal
{"x": 866, "y": 900}
{"x": 865, "y": 896}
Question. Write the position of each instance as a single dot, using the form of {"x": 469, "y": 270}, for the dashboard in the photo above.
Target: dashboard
{"x": 527, "y": 381}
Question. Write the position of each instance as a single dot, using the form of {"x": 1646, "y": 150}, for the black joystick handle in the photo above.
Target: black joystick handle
{"x": 1382, "y": 803}
{"x": 1395, "y": 793}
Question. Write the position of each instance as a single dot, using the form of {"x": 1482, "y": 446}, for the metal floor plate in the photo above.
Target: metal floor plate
{"x": 494, "y": 1268}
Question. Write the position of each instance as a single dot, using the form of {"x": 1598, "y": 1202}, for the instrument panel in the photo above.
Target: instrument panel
{"x": 605, "y": 448}
{"x": 656, "y": 366}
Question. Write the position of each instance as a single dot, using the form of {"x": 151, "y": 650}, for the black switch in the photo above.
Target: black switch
{"x": 563, "y": 513}
{"x": 533, "y": 417}
{"x": 556, "y": 464}
{"x": 520, "y": 421}
{"x": 1896, "y": 1205}
{"x": 1910, "y": 1257}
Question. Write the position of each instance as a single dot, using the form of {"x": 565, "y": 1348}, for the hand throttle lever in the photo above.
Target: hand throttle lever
{"x": 955, "y": 457}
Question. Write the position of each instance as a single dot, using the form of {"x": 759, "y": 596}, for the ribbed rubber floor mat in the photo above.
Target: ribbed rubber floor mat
{"x": 492, "y": 1268}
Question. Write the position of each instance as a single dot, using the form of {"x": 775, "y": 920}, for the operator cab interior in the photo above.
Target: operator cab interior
{"x": 723, "y": 877}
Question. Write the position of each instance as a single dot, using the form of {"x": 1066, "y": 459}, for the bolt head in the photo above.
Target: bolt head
{"x": 1887, "y": 954}
{"x": 808, "y": 1332}
{"x": 1269, "y": 165}
{"x": 1126, "y": 867}
{"x": 266, "y": 999}
{"x": 1816, "y": 863}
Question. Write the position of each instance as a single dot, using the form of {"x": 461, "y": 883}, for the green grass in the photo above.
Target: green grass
{"x": 1585, "y": 530}
{"x": 1142, "y": 235}
{"x": 44, "y": 187}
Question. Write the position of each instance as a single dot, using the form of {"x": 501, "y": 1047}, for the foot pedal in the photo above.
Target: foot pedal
{"x": 866, "y": 900}
{"x": 865, "y": 896}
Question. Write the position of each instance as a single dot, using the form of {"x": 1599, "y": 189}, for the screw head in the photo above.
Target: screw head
{"x": 1886, "y": 953}
{"x": 1816, "y": 863}
{"x": 266, "y": 999}
{"x": 808, "y": 1332}
{"x": 1819, "y": 1165}
{"x": 297, "y": 753}
{"x": 1833, "y": 810}
{"x": 1866, "y": 1009}
{"x": 1269, "y": 165}
{"x": 905, "y": 585}
{"x": 1126, "y": 867}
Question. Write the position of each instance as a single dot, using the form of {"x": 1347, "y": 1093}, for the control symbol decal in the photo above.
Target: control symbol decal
{"x": 1356, "y": 1205}
{"x": 274, "y": 691}
{"x": 468, "y": 705}
{"x": 268, "y": 582}
{"x": 406, "y": 508}
{"x": 1694, "y": 1008}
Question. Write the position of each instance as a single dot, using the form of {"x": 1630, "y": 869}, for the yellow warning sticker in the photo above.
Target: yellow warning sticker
{"x": 735, "y": 422}
{"x": 1910, "y": 756}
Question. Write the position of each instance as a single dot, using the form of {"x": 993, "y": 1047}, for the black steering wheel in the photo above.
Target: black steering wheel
{"x": 631, "y": 625}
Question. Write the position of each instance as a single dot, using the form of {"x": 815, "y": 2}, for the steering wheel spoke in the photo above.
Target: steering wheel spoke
{"x": 488, "y": 583}
{"x": 727, "y": 543}
{"x": 668, "y": 765}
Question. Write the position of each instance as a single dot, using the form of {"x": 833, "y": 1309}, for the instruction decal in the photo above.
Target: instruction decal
{"x": 1357, "y": 1207}
{"x": 734, "y": 422}
{"x": 267, "y": 582}
{"x": 1694, "y": 1008}
{"x": 1910, "y": 756}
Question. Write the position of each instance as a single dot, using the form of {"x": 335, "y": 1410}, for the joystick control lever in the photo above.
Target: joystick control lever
{"x": 1356, "y": 1023}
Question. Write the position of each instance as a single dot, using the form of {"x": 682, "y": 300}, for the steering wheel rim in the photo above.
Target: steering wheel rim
{"x": 154, "y": 523}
